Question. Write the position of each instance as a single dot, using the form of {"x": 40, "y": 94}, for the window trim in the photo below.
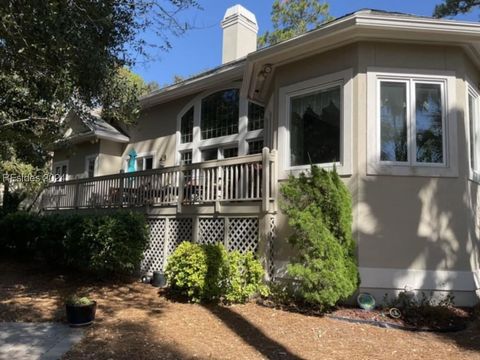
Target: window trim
{"x": 473, "y": 174}
{"x": 344, "y": 79}
{"x": 449, "y": 166}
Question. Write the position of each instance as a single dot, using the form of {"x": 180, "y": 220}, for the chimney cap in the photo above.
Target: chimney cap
{"x": 238, "y": 13}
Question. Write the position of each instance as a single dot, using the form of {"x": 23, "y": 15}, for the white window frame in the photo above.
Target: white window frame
{"x": 474, "y": 171}
{"x": 95, "y": 168}
{"x": 234, "y": 140}
{"x": 344, "y": 79}
{"x": 143, "y": 155}
{"x": 60, "y": 164}
{"x": 447, "y": 79}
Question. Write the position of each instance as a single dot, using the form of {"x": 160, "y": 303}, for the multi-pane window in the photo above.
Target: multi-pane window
{"x": 186, "y": 127}
{"x": 60, "y": 172}
{"x": 255, "y": 147}
{"x": 219, "y": 115}
{"x": 230, "y": 152}
{"x": 393, "y": 121}
{"x": 411, "y": 121}
{"x": 144, "y": 163}
{"x": 315, "y": 127}
{"x": 474, "y": 122}
{"x": 210, "y": 154}
{"x": 186, "y": 157}
{"x": 256, "y": 115}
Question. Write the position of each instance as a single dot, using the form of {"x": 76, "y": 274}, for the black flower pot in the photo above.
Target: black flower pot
{"x": 81, "y": 315}
{"x": 158, "y": 279}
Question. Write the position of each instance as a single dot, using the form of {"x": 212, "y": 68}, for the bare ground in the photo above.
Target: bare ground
{"x": 135, "y": 321}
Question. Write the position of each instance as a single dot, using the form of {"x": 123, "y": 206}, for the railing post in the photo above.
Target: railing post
{"x": 75, "y": 195}
{"x": 265, "y": 179}
{"x": 181, "y": 184}
{"x": 219, "y": 190}
{"x": 120, "y": 190}
{"x": 274, "y": 179}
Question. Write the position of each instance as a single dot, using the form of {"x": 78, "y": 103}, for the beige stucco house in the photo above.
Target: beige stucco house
{"x": 392, "y": 100}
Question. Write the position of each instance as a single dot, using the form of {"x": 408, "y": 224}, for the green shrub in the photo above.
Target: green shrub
{"x": 320, "y": 214}
{"x": 187, "y": 270}
{"x": 114, "y": 243}
{"x": 103, "y": 244}
{"x": 209, "y": 273}
{"x": 245, "y": 277}
{"x": 55, "y": 231}
{"x": 19, "y": 233}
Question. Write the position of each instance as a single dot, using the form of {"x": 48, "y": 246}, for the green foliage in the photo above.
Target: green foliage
{"x": 61, "y": 55}
{"x": 105, "y": 244}
{"x": 120, "y": 96}
{"x": 19, "y": 234}
{"x": 21, "y": 181}
{"x": 245, "y": 278}
{"x": 78, "y": 300}
{"x": 194, "y": 271}
{"x": 209, "y": 273}
{"x": 294, "y": 17}
{"x": 320, "y": 214}
{"x": 455, "y": 7}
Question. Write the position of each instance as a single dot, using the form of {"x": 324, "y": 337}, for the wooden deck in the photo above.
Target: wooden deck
{"x": 243, "y": 184}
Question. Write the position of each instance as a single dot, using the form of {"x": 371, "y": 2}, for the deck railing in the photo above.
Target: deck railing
{"x": 247, "y": 178}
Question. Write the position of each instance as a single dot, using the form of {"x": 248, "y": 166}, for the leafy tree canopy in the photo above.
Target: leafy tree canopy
{"x": 455, "y": 7}
{"x": 291, "y": 18}
{"x": 57, "y": 55}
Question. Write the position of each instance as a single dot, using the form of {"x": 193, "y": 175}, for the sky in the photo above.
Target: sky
{"x": 200, "y": 49}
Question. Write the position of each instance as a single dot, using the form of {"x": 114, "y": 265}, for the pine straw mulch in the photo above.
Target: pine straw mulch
{"x": 136, "y": 321}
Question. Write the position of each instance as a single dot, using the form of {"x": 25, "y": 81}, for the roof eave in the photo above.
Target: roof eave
{"x": 364, "y": 26}
{"x": 188, "y": 87}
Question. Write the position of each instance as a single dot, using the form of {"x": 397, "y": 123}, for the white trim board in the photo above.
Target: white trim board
{"x": 420, "y": 279}
{"x": 399, "y": 279}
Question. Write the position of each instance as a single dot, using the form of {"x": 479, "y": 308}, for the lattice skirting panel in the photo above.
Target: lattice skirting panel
{"x": 155, "y": 255}
{"x": 236, "y": 233}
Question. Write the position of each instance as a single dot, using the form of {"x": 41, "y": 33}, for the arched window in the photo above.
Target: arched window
{"x": 186, "y": 127}
{"x": 219, "y": 125}
{"x": 220, "y": 114}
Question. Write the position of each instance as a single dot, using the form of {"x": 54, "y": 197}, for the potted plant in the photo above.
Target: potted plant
{"x": 80, "y": 310}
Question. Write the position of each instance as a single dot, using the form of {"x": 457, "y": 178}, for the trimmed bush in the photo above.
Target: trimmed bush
{"x": 209, "y": 273}
{"x": 319, "y": 210}
{"x": 19, "y": 233}
{"x": 102, "y": 244}
{"x": 113, "y": 244}
{"x": 245, "y": 278}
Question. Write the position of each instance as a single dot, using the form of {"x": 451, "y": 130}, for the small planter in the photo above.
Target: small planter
{"x": 81, "y": 314}
{"x": 158, "y": 279}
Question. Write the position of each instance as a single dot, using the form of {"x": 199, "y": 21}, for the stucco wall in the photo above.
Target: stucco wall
{"x": 156, "y": 132}
{"x": 76, "y": 154}
{"x": 110, "y": 157}
{"x": 407, "y": 222}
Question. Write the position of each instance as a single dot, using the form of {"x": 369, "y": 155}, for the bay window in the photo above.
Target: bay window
{"x": 315, "y": 119}
{"x": 315, "y": 127}
{"x": 411, "y": 122}
{"x": 410, "y": 126}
